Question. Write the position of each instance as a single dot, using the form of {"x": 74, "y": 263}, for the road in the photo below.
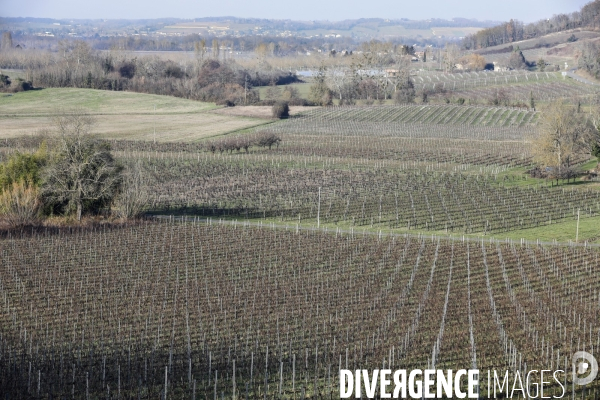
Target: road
{"x": 571, "y": 74}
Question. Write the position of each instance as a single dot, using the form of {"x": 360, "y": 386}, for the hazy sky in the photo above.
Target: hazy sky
{"x": 333, "y": 10}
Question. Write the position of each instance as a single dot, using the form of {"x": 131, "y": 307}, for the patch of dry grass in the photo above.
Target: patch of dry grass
{"x": 123, "y": 115}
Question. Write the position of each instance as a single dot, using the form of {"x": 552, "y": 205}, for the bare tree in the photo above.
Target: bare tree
{"x": 81, "y": 54}
{"x": 399, "y": 74}
{"x": 267, "y": 139}
{"x": 405, "y": 93}
{"x": 473, "y": 62}
{"x": 83, "y": 175}
{"x": 215, "y": 49}
{"x": 319, "y": 91}
{"x": 451, "y": 55}
{"x": 134, "y": 195}
{"x": 562, "y": 134}
{"x": 200, "y": 50}
{"x": 273, "y": 92}
{"x": 7, "y": 42}
{"x": 588, "y": 58}
{"x": 336, "y": 77}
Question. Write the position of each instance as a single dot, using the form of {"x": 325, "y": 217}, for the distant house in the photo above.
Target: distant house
{"x": 500, "y": 68}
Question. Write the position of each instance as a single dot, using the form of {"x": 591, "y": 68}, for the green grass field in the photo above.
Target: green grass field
{"x": 48, "y": 101}
{"x": 120, "y": 115}
{"x": 562, "y": 232}
{"x": 589, "y": 231}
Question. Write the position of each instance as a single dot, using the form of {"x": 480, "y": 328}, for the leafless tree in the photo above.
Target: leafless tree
{"x": 267, "y": 139}
{"x": 562, "y": 134}
{"x": 200, "y": 50}
{"x": 399, "y": 74}
{"x": 6, "y": 41}
{"x": 337, "y": 77}
{"x": 451, "y": 55}
{"x": 215, "y": 49}
{"x": 83, "y": 175}
{"x": 134, "y": 195}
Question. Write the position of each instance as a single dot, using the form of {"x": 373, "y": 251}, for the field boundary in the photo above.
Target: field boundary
{"x": 260, "y": 224}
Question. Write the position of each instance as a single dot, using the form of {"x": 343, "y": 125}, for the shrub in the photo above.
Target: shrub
{"x": 326, "y": 99}
{"x": 290, "y": 93}
{"x": 174, "y": 71}
{"x": 267, "y": 139}
{"x": 517, "y": 60}
{"x": 83, "y": 176}
{"x": 20, "y": 179}
{"x": 281, "y": 110}
{"x": 23, "y": 168}
{"x": 541, "y": 64}
{"x": 134, "y": 194}
{"x": 4, "y": 81}
{"x": 500, "y": 98}
{"x": 265, "y": 103}
{"x": 20, "y": 204}
{"x": 22, "y": 86}
{"x": 299, "y": 102}
{"x": 107, "y": 65}
{"x": 405, "y": 95}
{"x": 596, "y": 151}
{"x": 239, "y": 142}
{"x": 272, "y": 93}
{"x": 127, "y": 69}
{"x": 319, "y": 91}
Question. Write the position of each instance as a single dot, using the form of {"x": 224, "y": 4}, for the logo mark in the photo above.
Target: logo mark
{"x": 584, "y": 362}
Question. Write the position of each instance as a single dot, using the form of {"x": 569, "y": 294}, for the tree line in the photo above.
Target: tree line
{"x": 381, "y": 71}
{"x": 589, "y": 58}
{"x": 204, "y": 78}
{"x": 514, "y": 30}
